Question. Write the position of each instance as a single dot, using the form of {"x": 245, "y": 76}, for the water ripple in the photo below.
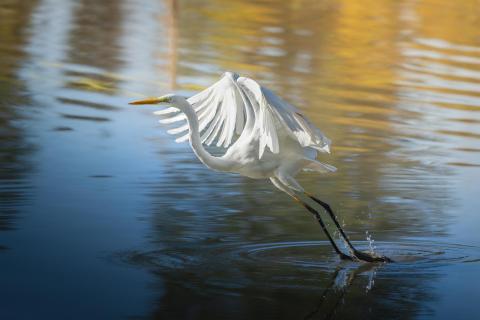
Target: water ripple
{"x": 411, "y": 256}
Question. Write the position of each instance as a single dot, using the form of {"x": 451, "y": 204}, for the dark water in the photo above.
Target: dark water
{"x": 103, "y": 216}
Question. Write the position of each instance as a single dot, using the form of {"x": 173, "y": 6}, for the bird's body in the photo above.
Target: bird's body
{"x": 244, "y": 155}
{"x": 264, "y": 137}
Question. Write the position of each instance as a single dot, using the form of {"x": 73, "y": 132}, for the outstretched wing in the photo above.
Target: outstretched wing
{"x": 225, "y": 109}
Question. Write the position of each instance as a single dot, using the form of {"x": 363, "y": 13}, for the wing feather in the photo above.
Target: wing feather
{"x": 175, "y": 118}
{"x": 206, "y": 135}
{"x": 226, "y": 111}
{"x": 166, "y": 111}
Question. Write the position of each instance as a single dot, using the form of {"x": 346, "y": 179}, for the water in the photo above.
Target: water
{"x": 103, "y": 216}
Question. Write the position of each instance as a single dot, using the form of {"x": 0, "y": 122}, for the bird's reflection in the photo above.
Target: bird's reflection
{"x": 337, "y": 288}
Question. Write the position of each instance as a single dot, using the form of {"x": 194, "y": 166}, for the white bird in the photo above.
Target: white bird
{"x": 264, "y": 137}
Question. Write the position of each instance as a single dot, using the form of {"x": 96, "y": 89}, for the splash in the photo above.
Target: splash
{"x": 371, "y": 243}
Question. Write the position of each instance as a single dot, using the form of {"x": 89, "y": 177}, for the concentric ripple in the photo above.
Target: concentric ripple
{"x": 404, "y": 254}
{"x": 412, "y": 256}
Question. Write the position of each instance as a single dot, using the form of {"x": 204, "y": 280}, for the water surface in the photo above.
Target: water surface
{"x": 103, "y": 216}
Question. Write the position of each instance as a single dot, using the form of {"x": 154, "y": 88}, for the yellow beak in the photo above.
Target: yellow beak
{"x": 152, "y": 100}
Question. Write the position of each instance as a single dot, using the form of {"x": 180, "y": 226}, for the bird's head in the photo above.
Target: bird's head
{"x": 173, "y": 100}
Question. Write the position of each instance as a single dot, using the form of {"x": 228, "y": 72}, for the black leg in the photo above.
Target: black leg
{"x": 324, "y": 228}
{"x": 358, "y": 254}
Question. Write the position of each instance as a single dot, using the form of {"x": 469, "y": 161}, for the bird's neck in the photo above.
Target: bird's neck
{"x": 215, "y": 163}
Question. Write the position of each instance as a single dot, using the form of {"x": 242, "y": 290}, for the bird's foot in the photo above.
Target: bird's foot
{"x": 344, "y": 256}
{"x": 368, "y": 257}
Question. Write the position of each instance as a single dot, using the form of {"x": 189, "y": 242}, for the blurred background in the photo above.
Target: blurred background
{"x": 103, "y": 216}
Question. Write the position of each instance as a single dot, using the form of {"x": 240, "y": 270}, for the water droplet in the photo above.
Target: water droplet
{"x": 371, "y": 242}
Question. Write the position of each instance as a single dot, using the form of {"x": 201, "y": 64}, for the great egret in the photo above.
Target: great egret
{"x": 264, "y": 137}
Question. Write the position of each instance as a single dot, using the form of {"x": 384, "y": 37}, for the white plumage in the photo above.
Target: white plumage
{"x": 264, "y": 136}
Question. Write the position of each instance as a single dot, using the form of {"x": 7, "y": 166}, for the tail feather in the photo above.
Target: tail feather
{"x": 319, "y": 167}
